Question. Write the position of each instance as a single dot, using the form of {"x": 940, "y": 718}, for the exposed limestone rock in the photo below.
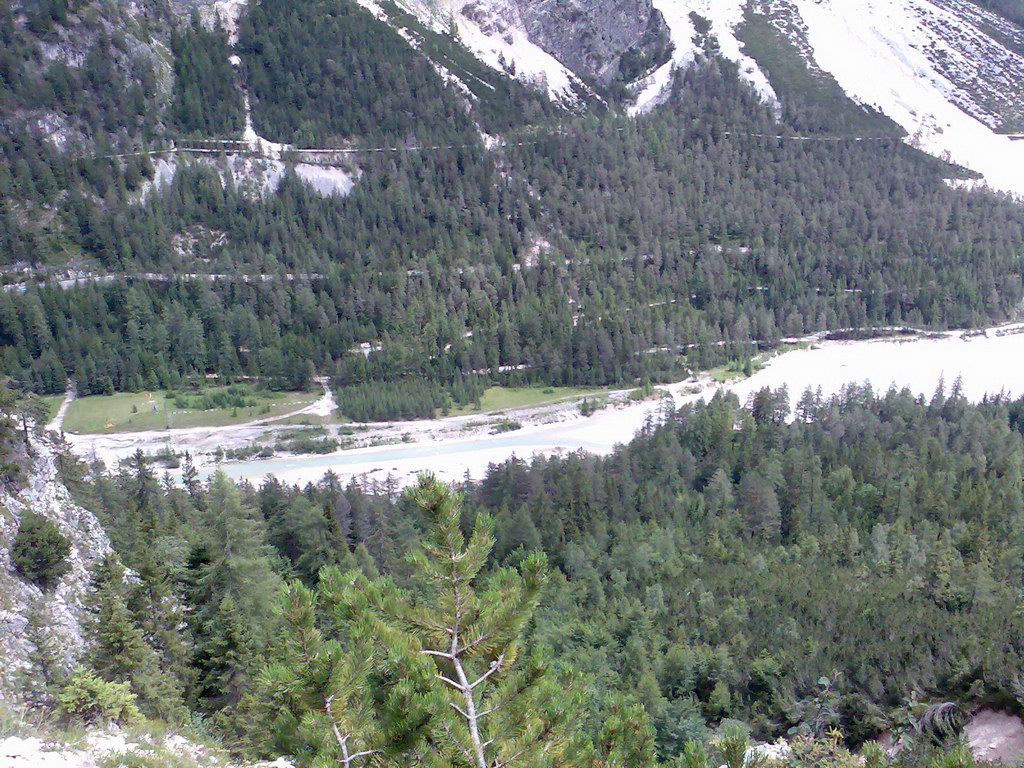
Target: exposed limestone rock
{"x": 100, "y": 748}
{"x": 996, "y": 737}
{"x": 590, "y": 37}
{"x": 29, "y": 616}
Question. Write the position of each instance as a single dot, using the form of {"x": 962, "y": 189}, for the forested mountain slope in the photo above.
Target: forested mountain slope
{"x": 793, "y": 574}
{"x": 577, "y": 248}
{"x": 856, "y": 570}
{"x": 413, "y": 201}
{"x": 948, "y": 72}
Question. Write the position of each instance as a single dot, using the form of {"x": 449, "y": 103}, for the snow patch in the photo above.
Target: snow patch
{"x": 878, "y": 52}
{"x": 723, "y": 16}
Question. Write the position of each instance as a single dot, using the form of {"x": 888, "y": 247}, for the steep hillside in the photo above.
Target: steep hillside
{"x": 948, "y": 72}
{"x": 559, "y": 46}
{"x": 41, "y": 625}
{"x": 600, "y": 40}
{"x": 848, "y": 574}
{"x": 322, "y": 177}
{"x": 210, "y": 210}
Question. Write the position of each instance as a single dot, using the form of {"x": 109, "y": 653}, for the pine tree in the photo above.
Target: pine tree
{"x": 190, "y": 479}
{"x": 342, "y": 693}
{"x": 503, "y": 704}
{"x": 626, "y": 738}
{"x": 146, "y": 514}
{"x": 442, "y": 675}
{"x": 40, "y": 679}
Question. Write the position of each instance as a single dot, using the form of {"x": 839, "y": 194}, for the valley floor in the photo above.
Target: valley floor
{"x": 455, "y": 447}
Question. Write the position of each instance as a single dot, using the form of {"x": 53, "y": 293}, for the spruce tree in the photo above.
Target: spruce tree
{"x": 119, "y": 650}
{"x": 232, "y": 598}
{"x": 40, "y": 551}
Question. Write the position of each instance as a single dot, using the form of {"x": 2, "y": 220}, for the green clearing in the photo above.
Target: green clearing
{"x": 139, "y": 411}
{"x": 728, "y": 372}
{"x": 736, "y": 369}
{"x": 507, "y": 398}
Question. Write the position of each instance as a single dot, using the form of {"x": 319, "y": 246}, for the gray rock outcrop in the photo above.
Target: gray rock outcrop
{"x": 34, "y": 621}
{"x": 590, "y": 37}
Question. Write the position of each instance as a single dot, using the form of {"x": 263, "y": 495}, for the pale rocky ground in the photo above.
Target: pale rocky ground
{"x": 112, "y": 748}
{"x": 996, "y": 736}
{"x": 29, "y": 615}
{"x": 987, "y": 362}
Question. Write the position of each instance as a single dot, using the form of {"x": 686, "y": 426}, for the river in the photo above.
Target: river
{"x": 985, "y": 364}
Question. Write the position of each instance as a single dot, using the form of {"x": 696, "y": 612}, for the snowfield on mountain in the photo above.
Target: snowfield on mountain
{"x": 948, "y": 72}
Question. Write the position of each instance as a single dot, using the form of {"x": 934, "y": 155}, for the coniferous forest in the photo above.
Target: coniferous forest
{"x": 836, "y": 569}
{"x": 603, "y": 250}
{"x": 838, "y": 575}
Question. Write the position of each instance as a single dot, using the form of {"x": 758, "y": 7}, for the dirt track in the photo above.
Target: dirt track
{"x": 996, "y": 737}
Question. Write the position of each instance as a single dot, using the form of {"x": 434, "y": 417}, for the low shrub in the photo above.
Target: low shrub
{"x": 95, "y": 701}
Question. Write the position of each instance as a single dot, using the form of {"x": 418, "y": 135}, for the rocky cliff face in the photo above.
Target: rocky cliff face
{"x": 590, "y": 37}
{"x": 32, "y": 620}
